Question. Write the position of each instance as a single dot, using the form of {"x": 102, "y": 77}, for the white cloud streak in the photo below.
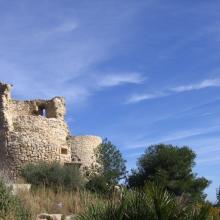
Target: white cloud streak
{"x": 140, "y": 97}
{"x": 202, "y": 85}
{"x": 189, "y": 133}
{"x": 119, "y": 79}
{"x": 175, "y": 136}
{"x": 62, "y": 56}
{"x": 85, "y": 89}
{"x": 209, "y": 161}
{"x": 207, "y": 83}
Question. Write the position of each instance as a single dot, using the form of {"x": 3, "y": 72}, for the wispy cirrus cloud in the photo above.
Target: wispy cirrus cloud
{"x": 79, "y": 88}
{"x": 209, "y": 161}
{"x": 67, "y": 49}
{"x": 119, "y": 79}
{"x": 201, "y": 85}
{"x": 174, "y": 136}
{"x": 207, "y": 83}
{"x": 189, "y": 133}
{"x": 60, "y": 51}
{"x": 140, "y": 97}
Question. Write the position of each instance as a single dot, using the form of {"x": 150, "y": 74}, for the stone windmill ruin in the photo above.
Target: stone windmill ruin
{"x": 35, "y": 130}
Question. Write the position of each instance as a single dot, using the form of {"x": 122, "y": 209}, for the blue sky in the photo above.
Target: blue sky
{"x": 138, "y": 72}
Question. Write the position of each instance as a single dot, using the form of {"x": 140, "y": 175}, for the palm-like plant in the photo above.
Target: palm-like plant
{"x": 151, "y": 203}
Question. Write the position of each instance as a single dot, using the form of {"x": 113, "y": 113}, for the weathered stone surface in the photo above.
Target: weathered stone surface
{"x": 33, "y": 131}
{"x": 18, "y": 188}
{"x": 83, "y": 149}
{"x": 49, "y": 216}
{"x": 70, "y": 217}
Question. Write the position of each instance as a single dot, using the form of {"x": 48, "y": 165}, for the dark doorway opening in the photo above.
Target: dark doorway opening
{"x": 42, "y": 111}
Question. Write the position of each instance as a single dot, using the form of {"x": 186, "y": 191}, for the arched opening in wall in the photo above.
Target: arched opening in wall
{"x": 42, "y": 111}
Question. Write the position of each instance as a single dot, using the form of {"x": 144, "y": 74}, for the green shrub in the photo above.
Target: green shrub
{"x": 53, "y": 175}
{"x": 97, "y": 184}
{"x": 112, "y": 162}
{"x": 109, "y": 170}
{"x": 172, "y": 167}
{"x": 152, "y": 203}
{"x": 10, "y": 205}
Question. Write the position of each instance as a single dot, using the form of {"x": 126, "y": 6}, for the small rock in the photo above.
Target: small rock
{"x": 47, "y": 216}
{"x": 70, "y": 217}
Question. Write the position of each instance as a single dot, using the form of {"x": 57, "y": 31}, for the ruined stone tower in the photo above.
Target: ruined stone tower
{"x": 32, "y": 131}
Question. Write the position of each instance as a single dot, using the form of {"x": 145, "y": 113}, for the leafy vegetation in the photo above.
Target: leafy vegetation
{"x": 10, "y": 205}
{"x": 153, "y": 203}
{"x": 218, "y": 196}
{"x": 172, "y": 167}
{"x": 111, "y": 171}
{"x": 53, "y": 175}
{"x": 163, "y": 187}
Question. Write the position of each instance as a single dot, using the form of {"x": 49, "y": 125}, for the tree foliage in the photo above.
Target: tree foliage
{"x": 171, "y": 166}
{"x": 111, "y": 170}
{"x": 218, "y": 196}
{"x": 112, "y": 162}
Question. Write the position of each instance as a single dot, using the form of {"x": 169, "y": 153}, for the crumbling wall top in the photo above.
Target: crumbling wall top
{"x": 5, "y": 90}
{"x": 54, "y": 108}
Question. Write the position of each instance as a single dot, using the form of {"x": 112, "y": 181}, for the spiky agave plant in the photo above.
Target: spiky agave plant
{"x": 131, "y": 206}
{"x": 153, "y": 202}
{"x": 160, "y": 203}
{"x": 165, "y": 206}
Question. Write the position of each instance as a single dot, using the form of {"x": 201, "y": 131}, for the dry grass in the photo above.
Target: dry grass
{"x": 42, "y": 200}
{"x": 5, "y": 177}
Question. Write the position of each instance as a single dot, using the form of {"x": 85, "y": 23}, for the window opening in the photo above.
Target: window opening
{"x": 63, "y": 151}
{"x": 43, "y": 111}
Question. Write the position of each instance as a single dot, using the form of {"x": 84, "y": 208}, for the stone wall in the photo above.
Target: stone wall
{"x": 83, "y": 148}
{"x": 54, "y": 108}
{"x": 33, "y": 131}
{"x": 4, "y": 125}
{"x": 38, "y": 139}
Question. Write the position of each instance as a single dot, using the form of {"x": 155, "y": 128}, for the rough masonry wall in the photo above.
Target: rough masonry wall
{"x": 54, "y": 108}
{"x": 33, "y": 131}
{"x": 38, "y": 139}
{"x": 83, "y": 148}
{"x": 28, "y": 136}
{"x": 4, "y": 124}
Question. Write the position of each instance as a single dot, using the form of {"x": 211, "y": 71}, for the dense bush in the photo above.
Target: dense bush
{"x": 10, "y": 205}
{"x": 171, "y": 166}
{"x": 97, "y": 183}
{"x": 53, "y": 175}
{"x": 153, "y": 203}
